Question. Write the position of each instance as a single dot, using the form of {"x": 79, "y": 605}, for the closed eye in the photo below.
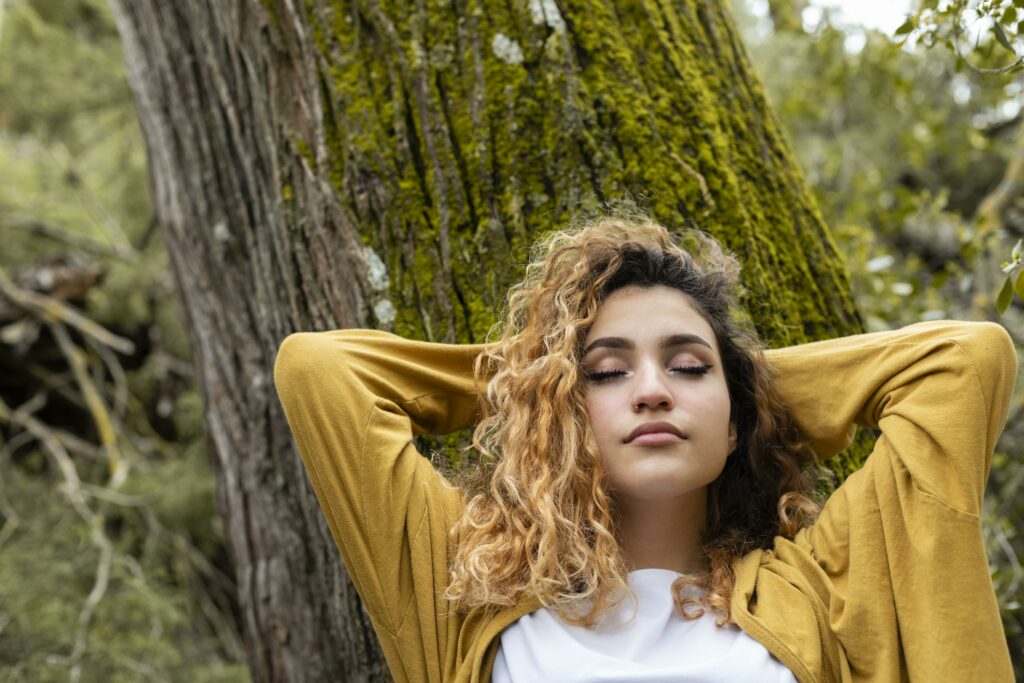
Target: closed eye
{"x": 692, "y": 369}
{"x": 603, "y": 375}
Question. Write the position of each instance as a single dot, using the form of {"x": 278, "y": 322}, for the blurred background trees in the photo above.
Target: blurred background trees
{"x": 112, "y": 561}
{"x": 117, "y": 570}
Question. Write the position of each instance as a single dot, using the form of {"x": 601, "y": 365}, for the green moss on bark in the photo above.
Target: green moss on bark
{"x": 461, "y": 133}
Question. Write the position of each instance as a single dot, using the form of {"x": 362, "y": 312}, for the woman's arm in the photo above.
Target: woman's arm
{"x": 939, "y": 391}
{"x": 898, "y": 553}
{"x": 354, "y": 399}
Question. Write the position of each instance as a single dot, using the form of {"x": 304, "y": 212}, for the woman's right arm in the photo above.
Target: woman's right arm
{"x": 354, "y": 399}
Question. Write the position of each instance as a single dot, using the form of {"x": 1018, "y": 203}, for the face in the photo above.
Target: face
{"x": 656, "y": 395}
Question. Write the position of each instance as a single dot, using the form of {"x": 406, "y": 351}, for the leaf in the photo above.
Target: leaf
{"x": 1009, "y": 16}
{"x": 906, "y": 27}
{"x": 1018, "y": 285}
{"x": 1005, "y": 296}
{"x": 1001, "y": 36}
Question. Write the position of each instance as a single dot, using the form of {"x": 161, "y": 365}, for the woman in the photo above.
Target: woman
{"x": 635, "y": 444}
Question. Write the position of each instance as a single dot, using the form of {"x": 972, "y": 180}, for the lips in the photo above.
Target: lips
{"x": 663, "y": 428}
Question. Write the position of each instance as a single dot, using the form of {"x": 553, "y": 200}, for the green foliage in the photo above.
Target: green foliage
{"x": 67, "y": 131}
{"x": 894, "y": 182}
{"x": 1014, "y": 283}
{"x": 74, "y": 182}
{"x": 985, "y": 34}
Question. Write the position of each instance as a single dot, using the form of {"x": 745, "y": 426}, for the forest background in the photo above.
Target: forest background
{"x": 914, "y": 151}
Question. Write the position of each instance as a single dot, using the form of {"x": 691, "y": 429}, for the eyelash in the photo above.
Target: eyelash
{"x": 685, "y": 369}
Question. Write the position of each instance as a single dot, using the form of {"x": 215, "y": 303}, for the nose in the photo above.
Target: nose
{"x": 651, "y": 390}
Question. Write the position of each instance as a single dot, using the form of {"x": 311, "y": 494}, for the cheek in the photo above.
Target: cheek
{"x": 712, "y": 403}
{"x": 723, "y": 419}
{"x": 721, "y": 409}
{"x": 602, "y": 408}
{"x": 710, "y": 410}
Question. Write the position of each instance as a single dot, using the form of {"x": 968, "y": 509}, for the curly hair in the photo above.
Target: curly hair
{"x": 538, "y": 518}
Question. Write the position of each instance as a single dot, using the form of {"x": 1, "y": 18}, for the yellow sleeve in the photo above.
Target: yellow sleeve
{"x": 900, "y": 542}
{"x": 354, "y": 399}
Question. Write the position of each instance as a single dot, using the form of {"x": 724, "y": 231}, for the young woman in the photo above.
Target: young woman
{"x": 641, "y": 511}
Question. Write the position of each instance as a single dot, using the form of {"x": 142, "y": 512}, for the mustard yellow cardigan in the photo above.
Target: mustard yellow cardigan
{"x": 890, "y": 584}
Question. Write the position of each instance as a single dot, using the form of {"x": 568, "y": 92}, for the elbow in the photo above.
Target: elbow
{"x": 306, "y": 360}
{"x": 994, "y": 358}
{"x": 295, "y": 363}
{"x": 294, "y": 356}
{"x": 1004, "y": 349}
{"x": 993, "y": 354}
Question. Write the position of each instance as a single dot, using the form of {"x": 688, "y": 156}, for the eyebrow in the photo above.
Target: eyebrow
{"x": 623, "y": 343}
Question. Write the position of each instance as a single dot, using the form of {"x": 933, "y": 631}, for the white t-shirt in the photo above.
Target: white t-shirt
{"x": 659, "y": 647}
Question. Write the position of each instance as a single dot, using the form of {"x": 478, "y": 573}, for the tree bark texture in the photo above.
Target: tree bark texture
{"x": 328, "y": 164}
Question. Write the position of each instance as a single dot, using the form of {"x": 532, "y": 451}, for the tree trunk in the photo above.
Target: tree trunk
{"x": 329, "y": 164}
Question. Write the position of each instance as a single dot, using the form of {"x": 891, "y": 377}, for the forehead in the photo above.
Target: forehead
{"x": 640, "y": 313}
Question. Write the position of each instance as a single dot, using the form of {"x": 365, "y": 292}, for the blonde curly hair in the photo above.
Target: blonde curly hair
{"x": 538, "y": 519}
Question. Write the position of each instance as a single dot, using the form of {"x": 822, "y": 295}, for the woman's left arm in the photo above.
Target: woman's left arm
{"x": 939, "y": 391}
{"x": 898, "y": 548}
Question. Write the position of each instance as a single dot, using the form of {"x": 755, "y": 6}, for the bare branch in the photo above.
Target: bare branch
{"x": 99, "y": 589}
{"x": 175, "y": 365}
{"x": 72, "y": 488}
{"x": 1011, "y": 555}
{"x": 990, "y": 209}
{"x": 72, "y": 484}
{"x": 97, "y": 407}
{"x": 51, "y": 309}
{"x": 116, "y": 373}
{"x": 11, "y": 518}
{"x": 76, "y": 241}
{"x": 110, "y": 496}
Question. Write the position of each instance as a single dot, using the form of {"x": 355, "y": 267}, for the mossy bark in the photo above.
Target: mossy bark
{"x": 368, "y": 163}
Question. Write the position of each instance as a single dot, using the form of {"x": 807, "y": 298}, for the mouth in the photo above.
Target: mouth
{"x": 655, "y": 433}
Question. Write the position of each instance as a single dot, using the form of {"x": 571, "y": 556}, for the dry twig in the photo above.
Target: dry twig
{"x": 97, "y": 407}
{"x": 50, "y": 310}
{"x": 72, "y": 489}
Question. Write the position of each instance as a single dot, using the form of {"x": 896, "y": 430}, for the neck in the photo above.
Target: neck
{"x": 663, "y": 534}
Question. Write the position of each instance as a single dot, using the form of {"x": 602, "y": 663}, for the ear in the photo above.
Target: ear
{"x": 732, "y": 437}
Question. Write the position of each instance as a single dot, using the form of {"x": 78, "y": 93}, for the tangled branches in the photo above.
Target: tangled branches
{"x": 64, "y": 393}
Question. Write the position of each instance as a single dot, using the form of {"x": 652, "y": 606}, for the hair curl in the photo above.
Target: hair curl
{"x": 538, "y": 519}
